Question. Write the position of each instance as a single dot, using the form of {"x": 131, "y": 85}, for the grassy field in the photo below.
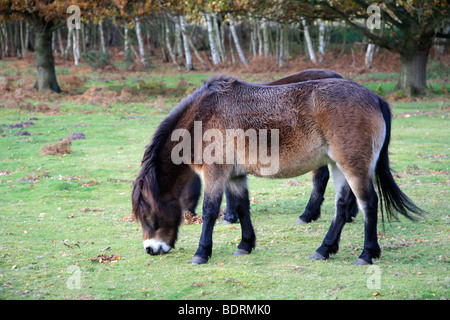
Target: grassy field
{"x": 58, "y": 213}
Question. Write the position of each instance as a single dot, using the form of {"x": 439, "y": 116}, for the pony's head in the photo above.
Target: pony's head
{"x": 159, "y": 220}
{"x": 156, "y": 192}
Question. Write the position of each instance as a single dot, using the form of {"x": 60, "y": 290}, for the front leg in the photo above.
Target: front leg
{"x": 211, "y": 208}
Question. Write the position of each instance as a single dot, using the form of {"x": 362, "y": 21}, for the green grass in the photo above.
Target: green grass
{"x": 58, "y": 212}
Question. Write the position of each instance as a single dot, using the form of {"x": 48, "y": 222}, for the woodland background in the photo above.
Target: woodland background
{"x": 213, "y": 35}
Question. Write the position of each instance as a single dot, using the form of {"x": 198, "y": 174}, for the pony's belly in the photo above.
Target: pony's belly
{"x": 290, "y": 166}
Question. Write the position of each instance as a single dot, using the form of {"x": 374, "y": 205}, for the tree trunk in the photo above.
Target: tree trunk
{"x": 218, "y": 37}
{"x": 266, "y": 42}
{"x": 236, "y": 41}
{"x": 413, "y": 73}
{"x": 168, "y": 44}
{"x": 140, "y": 43}
{"x": 102, "y": 37}
{"x": 46, "y": 76}
{"x": 60, "y": 43}
{"x": 69, "y": 44}
{"x": 5, "y": 35}
{"x": 321, "y": 40}
{"x": 369, "y": 55}
{"x": 212, "y": 43}
{"x": 22, "y": 39}
{"x": 312, "y": 56}
{"x": 76, "y": 46}
{"x": 187, "y": 52}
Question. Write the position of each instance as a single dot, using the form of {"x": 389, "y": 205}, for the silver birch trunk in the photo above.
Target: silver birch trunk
{"x": 236, "y": 41}
{"x": 282, "y": 50}
{"x": 321, "y": 40}
{"x": 69, "y": 44}
{"x": 168, "y": 44}
{"x": 212, "y": 43}
{"x": 60, "y": 43}
{"x": 76, "y": 46}
{"x": 266, "y": 43}
{"x": 5, "y": 35}
{"x": 312, "y": 56}
{"x": 178, "y": 37}
{"x": 126, "y": 45}
{"x": 102, "y": 37}
{"x": 260, "y": 38}
{"x": 22, "y": 39}
{"x": 140, "y": 43}
{"x": 369, "y": 55}
{"x": 218, "y": 38}
{"x": 187, "y": 52}
{"x": 252, "y": 40}
{"x": 233, "y": 60}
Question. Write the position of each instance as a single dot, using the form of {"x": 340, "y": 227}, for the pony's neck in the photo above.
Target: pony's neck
{"x": 173, "y": 179}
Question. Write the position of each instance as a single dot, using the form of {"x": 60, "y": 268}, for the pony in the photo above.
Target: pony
{"x": 190, "y": 196}
{"x": 303, "y": 126}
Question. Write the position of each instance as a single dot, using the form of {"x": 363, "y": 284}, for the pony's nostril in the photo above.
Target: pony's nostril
{"x": 149, "y": 250}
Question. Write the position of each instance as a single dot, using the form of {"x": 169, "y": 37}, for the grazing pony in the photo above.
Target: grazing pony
{"x": 191, "y": 193}
{"x": 303, "y": 126}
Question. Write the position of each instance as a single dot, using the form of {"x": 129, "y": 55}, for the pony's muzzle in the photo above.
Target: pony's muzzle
{"x": 156, "y": 246}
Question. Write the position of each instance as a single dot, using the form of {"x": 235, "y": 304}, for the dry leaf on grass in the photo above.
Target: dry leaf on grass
{"x": 189, "y": 218}
{"x": 104, "y": 258}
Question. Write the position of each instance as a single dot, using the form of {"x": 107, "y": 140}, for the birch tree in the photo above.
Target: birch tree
{"x": 309, "y": 45}
{"x": 102, "y": 37}
{"x": 140, "y": 43}
{"x": 321, "y": 40}
{"x": 236, "y": 40}
{"x": 212, "y": 41}
{"x": 76, "y": 46}
{"x": 126, "y": 45}
{"x": 219, "y": 37}
{"x": 266, "y": 43}
{"x": 69, "y": 44}
{"x": 187, "y": 52}
{"x": 168, "y": 44}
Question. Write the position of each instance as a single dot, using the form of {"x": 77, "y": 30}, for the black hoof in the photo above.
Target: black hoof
{"x": 198, "y": 260}
{"x": 361, "y": 262}
{"x": 240, "y": 252}
{"x": 317, "y": 256}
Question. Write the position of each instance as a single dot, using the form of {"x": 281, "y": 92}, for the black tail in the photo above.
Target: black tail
{"x": 389, "y": 192}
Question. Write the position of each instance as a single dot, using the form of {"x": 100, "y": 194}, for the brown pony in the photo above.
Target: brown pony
{"x": 299, "y": 127}
{"x": 191, "y": 193}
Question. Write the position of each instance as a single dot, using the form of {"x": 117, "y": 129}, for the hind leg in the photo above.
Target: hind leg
{"x": 330, "y": 244}
{"x": 368, "y": 202}
{"x": 238, "y": 196}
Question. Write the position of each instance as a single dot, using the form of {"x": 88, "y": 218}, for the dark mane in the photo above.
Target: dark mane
{"x": 219, "y": 83}
{"x": 146, "y": 192}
